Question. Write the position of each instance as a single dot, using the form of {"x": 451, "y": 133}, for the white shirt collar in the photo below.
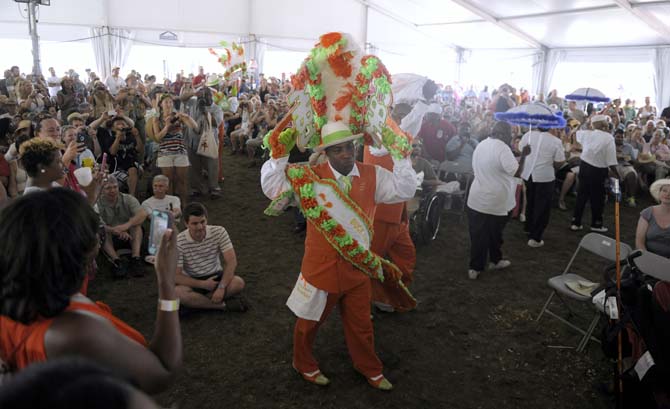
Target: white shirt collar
{"x": 336, "y": 174}
{"x": 192, "y": 240}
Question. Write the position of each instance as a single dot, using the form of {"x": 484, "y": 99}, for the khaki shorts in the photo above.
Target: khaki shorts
{"x": 173, "y": 161}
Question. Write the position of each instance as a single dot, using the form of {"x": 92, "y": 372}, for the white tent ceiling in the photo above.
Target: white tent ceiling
{"x": 461, "y": 24}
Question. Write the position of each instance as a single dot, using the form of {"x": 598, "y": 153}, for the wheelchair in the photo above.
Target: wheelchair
{"x": 425, "y": 215}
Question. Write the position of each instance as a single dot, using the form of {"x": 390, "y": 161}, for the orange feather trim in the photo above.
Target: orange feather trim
{"x": 329, "y": 39}
{"x": 339, "y": 63}
{"x": 344, "y": 99}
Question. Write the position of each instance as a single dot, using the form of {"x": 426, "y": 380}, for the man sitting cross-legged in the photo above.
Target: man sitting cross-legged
{"x": 201, "y": 280}
{"x": 123, "y": 217}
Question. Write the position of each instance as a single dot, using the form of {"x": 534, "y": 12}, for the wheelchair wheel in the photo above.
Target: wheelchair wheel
{"x": 425, "y": 222}
{"x": 432, "y": 217}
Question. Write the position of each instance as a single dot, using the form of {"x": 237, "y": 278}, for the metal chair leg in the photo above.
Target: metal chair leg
{"x": 544, "y": 308}
{"x": 589, "y": 331}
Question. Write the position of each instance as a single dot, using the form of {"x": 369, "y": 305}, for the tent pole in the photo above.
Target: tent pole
{"x": 364, "y": 27}
{"x": 459, "y": 64}
{"x": 32, "y": 28}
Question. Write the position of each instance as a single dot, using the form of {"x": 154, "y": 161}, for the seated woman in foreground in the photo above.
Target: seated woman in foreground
{"x": 653, "y": 228}
{"x": 44, "y": 316}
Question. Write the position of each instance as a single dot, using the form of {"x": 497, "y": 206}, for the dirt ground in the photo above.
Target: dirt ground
{"x": 469, "y": 344}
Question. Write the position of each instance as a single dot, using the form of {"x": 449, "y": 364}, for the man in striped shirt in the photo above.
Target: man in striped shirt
{"x": 202, "y": 282}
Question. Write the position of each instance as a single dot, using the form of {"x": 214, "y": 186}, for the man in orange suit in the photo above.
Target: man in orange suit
{"x": 329, "y": 275}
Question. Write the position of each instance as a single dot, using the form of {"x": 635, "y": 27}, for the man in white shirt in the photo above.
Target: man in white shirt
{"x": 547, "y": 154}
{"x": 114, "y": 82}
{"x": 598, "y": 154}
{"x": 53, "y": 82}
{"x": 491, "y": 198}
{"x": 161, "y": 200}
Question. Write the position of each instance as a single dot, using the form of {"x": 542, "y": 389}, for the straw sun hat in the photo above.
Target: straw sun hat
{"x": 655, "y": 188}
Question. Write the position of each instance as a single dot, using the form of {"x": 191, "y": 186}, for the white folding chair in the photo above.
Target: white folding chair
{"x": 598, "y": 245}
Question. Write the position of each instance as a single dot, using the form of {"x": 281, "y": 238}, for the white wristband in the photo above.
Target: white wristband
{"x": 168, "y": 305}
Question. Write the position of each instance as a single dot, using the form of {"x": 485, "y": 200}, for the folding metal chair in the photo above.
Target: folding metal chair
{"x": 599, "y": 245}
{"x": 653, "y": 265}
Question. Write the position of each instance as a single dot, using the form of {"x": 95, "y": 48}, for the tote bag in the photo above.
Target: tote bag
{"x": 208, "y": 145}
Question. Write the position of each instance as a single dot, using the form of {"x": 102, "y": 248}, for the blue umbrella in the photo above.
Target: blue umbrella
{"x": 587, "y": 94}
{"x": 535, "y": 114}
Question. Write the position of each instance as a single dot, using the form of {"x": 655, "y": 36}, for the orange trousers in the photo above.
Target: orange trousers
{"x": 393, "y": 242}
{"x": 354, "y": 307}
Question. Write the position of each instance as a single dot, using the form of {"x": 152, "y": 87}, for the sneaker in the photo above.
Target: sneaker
{"x": 473, "y": 274}
{"x": 383, "y": 306}
{"x": 561, "y": 205}
{"x": 315, "y": 377}
{"x": 119, "y": 269}
{"x": 522, "y": 218}
{"x": 535, "y": 244}
{"x": 216, "y": 194}
{"x": 380, "y": 382}
{"x": 502, "y": 264}
{"x": 576, "y": 227}
{"x": 630, "y": 202}
{"x": 601, "y": 229}
{"x": 136, "y": 267}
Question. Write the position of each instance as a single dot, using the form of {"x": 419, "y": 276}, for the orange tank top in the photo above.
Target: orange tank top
{"x": 21, "y": 344}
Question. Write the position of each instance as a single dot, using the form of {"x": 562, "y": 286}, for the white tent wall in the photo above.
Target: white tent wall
{"x": 626, "y": 72}
{"x": 661, "y": 79}
{"x": 495, "y": 67}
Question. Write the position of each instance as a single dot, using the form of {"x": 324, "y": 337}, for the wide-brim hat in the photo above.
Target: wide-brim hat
{"x": 655, "y": 188}
{"x": 646, "y": 158}
{"x": 335, "y": 133}
{"x": 23, "y": 125}
{"x": 213, "y": 81}
{"x": 74, "y": 115}
{"x": 599, "y": 118}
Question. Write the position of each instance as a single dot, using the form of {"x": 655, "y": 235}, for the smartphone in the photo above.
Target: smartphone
{"x": 111, "y": 113}
{"x": 159, "y": 222}
{"x": 103, "y": 164}
{"x": 81, "y": 137}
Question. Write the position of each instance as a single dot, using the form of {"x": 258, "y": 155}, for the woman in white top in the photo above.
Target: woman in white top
{"x": 491, "y": 197}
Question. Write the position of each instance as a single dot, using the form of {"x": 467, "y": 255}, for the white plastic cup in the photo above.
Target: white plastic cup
{"x": 84, "y": 176}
